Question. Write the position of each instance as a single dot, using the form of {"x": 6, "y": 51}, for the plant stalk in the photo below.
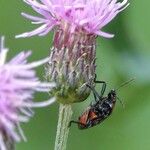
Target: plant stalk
{"x": 64, "y": 117}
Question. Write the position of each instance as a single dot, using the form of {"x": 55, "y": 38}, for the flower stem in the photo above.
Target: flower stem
{"x": 65, "y": 113}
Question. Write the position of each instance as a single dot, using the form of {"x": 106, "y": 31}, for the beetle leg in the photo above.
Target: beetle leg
{"x": 95, "y": 94}
{"x": 76, "y": 122}
{"x": 103, "y": 86}
{"x": 91, "y": 104}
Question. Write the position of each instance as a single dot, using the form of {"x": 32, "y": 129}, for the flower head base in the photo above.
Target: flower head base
{"x": 18, "y": 83}
{"x": 84, "y": 16}
{"x": 71, "y": 66}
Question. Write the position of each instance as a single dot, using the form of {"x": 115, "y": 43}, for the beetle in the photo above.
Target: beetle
{"x": 101, "y": 109}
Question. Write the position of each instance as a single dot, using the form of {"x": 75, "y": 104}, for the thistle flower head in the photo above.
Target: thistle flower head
{"x": 77, "y": 24}
{"x": 84, "y": 16}
{"x": 18, "y": 83}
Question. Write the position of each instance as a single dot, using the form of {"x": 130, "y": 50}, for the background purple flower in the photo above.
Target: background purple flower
{"x": 79, "y": 15}
{"x": 18, "y": 83}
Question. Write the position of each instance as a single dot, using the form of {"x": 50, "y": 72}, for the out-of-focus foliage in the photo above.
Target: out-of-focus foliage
{"x": 118, "y": 59}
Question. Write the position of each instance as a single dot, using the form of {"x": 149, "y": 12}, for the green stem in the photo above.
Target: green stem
{"x": 65, "y": 113}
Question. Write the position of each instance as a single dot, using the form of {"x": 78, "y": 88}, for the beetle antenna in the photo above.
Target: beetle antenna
{"x": 125, "y": 83}
{"x": 121, "y": 102}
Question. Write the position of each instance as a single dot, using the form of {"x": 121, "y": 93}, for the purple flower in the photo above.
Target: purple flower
{"x": 18, "y": 83}
{"x": 88, "y": 16}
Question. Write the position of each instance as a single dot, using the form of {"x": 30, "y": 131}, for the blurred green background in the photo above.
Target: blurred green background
{"x": 118, "y": 59}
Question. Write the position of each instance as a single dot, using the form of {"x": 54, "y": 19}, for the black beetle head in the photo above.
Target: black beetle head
{"x": 112, "y": 94}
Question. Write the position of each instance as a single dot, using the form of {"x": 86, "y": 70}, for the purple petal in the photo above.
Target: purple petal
{"x": 104, "y": 34}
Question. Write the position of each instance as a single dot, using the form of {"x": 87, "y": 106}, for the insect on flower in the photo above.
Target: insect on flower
{"x": 101, "y": 109}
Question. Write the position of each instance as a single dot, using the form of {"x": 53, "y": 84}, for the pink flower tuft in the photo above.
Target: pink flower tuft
{"x": 88, "y": 16}
{"x": 18, "y": 83}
